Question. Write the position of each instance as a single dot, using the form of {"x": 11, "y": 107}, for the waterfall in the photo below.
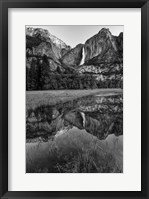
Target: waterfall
{"x": 83, "y": 56}
{"x": 83, "y": 117}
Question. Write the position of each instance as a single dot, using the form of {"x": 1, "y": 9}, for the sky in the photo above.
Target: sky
{"x": 73, "y": 34}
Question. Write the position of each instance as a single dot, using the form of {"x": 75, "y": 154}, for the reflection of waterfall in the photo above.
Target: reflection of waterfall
{"x": 83, "y": 56}
{"x": 83, "y": 116}
{"x": 98, "y": 115}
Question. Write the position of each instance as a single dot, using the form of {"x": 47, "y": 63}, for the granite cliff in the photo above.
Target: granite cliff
{"x": 101, "y": 57}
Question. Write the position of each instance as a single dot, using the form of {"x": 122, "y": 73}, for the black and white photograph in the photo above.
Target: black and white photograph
{"x": 74, "y": 98}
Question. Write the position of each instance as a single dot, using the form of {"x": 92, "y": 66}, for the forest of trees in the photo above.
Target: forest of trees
{"x": 40, "y": 77}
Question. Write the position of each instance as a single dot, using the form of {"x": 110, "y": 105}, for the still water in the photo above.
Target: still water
{"x": 93, "y": 117}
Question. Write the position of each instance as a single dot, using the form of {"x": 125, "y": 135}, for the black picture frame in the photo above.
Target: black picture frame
{"x": 4, "y": 6}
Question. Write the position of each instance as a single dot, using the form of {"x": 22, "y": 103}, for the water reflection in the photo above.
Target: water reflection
{"x": 96, "y": 115}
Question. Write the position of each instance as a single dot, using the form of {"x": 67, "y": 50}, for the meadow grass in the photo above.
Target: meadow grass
{"x": 35, "y": 99}
{"x": 71, "y": 153}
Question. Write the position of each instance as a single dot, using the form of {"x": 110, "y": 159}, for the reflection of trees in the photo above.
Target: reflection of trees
{"x": 99, "y": 119}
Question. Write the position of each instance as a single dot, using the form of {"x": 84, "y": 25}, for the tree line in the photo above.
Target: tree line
{"x": 40, "y": 77}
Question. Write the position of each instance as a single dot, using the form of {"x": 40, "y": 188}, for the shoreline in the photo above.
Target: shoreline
{"x": 53, "y": 97}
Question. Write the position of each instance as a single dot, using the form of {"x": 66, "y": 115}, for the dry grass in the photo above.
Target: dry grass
{"x": 72, "y": 152}
{"x": 38, "y": 98}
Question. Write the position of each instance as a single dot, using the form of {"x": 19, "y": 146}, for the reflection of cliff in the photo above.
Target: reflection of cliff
{"x": 101, "y": 127}
{"x": 98, "y": 119}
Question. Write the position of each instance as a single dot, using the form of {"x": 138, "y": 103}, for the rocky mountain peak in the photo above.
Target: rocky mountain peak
{"x": 37, "y": 32}
{"x": 58, "y": 42}
{"x": 99, "y": 43}
{"x": 104, "y": 31}
{"x": 99, "y": 58}
{"x": 44, "y": 34}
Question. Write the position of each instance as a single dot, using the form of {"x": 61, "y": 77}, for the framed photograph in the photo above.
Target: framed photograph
{"x": 74, "y": 99}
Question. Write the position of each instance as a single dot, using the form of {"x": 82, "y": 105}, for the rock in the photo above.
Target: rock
{"x": 46, "y": 36}
{"x": 32, "y": 41}
{"x": 119, "y": 41}
{"x": 64, "y": 51}
{"x": 73, "y": 57}
{"x": 103, "y": 56}
{"x": 47, "y": 49}
{"x": 53, "y": 65}
{"x": 40, "y": 43}
{"x": 99, "y": 43}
